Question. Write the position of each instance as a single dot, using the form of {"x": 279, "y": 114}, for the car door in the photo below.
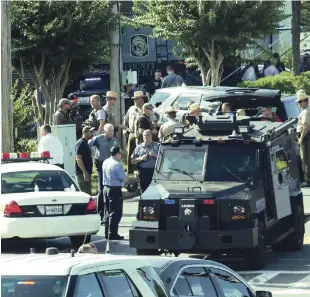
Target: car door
{"x": 87, "y": 285}
{"x": 193, "y": 281}
{"x": 280, "y": 170}
{"x": 229, "y": 285}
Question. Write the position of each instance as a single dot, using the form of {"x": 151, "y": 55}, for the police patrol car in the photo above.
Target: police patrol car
{"x": 78, "y": 275}
{"x": 40, "y": 200}
{"x": 224, "y": 186}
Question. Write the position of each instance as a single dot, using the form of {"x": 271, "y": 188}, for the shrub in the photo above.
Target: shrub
{"x": 26, "y": 145}
{"x": 286, "y": 82}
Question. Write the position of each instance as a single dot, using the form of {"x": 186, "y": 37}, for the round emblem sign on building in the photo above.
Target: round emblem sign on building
{"x": 139, "y": 46}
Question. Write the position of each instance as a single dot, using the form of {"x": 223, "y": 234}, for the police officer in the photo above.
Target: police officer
{"x": 144, "y": 122}
{"x": 303, "y": 133}
{"x": 167, "y": 128}
{"x": 114, "y": 178}
{"x": 109, "y": 108}
{"x": 103, "y": 143}
{"x": 145, "y": 155}
{"x": 133, "y": 113}
{"x": 97, "y": 118}
{"x": 62, "y": 116}
{"x": 194, "y": 110}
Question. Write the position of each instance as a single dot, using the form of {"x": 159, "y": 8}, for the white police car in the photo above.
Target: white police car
{"x": 40, "y": 200}
{"x": 78, "y": 275}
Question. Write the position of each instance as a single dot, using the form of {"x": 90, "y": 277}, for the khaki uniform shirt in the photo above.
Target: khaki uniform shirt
{"x": 131, "y": 118}
{"x": 167, "y": 128}
{"x": 303, "y": 118}
{"x": 111, "y": 115}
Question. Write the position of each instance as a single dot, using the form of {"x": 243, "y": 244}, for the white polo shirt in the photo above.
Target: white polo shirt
{"x": 51, "y": 143}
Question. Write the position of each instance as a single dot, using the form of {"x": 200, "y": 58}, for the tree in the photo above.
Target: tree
{"x": 53, "y": 39}
{"x": 209, "y": 30}
{"x": 6, "y": 80}
{"x": 305, "y": 13}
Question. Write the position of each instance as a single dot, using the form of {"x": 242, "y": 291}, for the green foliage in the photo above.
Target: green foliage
{"x": 305, "y": 13}
{"x": 26, "y": 145}
{"x": 22, "y": 106}
{"x": 286, "y": 82}
{"x": 209, "y": 29}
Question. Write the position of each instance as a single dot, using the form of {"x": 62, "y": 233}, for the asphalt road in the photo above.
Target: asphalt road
{"x": 285, "y": 275}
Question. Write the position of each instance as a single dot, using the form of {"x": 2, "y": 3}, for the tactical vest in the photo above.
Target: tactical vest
{"x": 137, "y": 125}
{"x": 92, "y": 120}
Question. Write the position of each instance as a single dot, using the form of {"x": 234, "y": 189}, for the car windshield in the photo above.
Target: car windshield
{"x": 230, "y": 163}
{"x": 29, "y": 181}
{"x": 33, "y": 286}
{"x": 158, "y": 98}
{"x": 189, "y": 160}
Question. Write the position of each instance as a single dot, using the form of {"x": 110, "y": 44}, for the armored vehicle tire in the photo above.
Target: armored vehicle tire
{"x": 77, "y": 241}
{"x": 295, "y": 241}
{"x": 141, "y": 252}
{"x": 256, "y": 257}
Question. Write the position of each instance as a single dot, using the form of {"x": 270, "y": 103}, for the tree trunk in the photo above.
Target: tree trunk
{"x": 296, "y": 16}
{"x": 6, "y": 80}
{"x": 203, "y": 71}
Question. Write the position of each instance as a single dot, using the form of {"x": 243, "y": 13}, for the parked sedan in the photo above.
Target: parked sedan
{"x": 194, "y": 277}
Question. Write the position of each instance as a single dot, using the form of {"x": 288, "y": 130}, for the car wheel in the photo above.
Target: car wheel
{"x": 295, "y": 241}
{"x": 77, "y": 241}
{"x": 256, "y": 257}
{"x": 147, "y": 252}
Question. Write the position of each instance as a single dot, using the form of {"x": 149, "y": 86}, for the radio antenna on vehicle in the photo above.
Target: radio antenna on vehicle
{"x": 85, "y": 238}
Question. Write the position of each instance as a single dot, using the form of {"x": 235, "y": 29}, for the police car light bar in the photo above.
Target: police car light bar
{"x": 24, "y": 156}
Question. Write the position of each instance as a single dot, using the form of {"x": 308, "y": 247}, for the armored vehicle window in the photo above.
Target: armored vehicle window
{"x": 118, "y": 284}
{"x": 281, "y": 159}
{"x": 194, "y": 281}
{"x": 191, "y": 160}
{"x": 230, "y": 285}
{"x": 152, "y": 280}
{"x": 88, "y": 286}
{"x": 239, "y": 160}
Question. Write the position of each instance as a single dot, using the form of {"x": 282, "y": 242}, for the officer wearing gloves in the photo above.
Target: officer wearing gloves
{"x": 145, "y": 155}
{"x": 114, "y": 178}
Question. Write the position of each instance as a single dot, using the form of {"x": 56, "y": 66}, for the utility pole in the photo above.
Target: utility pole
{"x": 116, "y": 67}
{"x": 6, "y": 80}
{"x": 296, "y": 18}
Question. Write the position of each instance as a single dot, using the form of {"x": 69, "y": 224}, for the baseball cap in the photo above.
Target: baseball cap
{"x": 72, "y": 96}
{"x": 87, "y": 129}
{"x": 64, "y": 101}
{"x": 147, "y": 106}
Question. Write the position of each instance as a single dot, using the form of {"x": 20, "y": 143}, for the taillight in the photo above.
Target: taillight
{"x": 91, "y": 206}
{"x": 12, "y": 209}
{"x": 209, "y": 201}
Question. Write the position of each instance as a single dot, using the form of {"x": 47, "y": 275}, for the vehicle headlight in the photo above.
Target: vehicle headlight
{"x": 239, "y": 210}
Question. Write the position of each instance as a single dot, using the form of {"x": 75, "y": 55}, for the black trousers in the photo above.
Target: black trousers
{"x": 114, "y": 204}
{"x": 101, "y": 204}
{"x": 145, "y": 177}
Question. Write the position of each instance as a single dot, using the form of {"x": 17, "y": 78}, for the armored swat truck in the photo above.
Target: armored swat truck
{"x": 224, "y": 184}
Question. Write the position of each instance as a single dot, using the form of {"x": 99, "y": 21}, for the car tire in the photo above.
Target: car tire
{"x": 295, "y": 241}
{"x": 142, "y": 252}
{"x": 77, "y": 241}
{"x": 256, "y": 257}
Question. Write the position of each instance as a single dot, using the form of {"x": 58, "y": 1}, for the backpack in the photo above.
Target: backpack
{"x": 137, "y": 125}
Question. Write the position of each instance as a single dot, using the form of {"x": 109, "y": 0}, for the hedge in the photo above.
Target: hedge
{"x": 286, "y": 82}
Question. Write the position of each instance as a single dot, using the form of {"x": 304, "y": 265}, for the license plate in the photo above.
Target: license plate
{"x": 84, "y": 99}
{"x": 53, "y": 210}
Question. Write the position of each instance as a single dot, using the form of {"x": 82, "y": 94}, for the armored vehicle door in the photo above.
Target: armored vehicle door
{"x": 279, "y": 172}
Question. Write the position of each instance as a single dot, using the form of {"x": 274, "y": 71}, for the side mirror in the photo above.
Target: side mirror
{"x": 263, "y": 294}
